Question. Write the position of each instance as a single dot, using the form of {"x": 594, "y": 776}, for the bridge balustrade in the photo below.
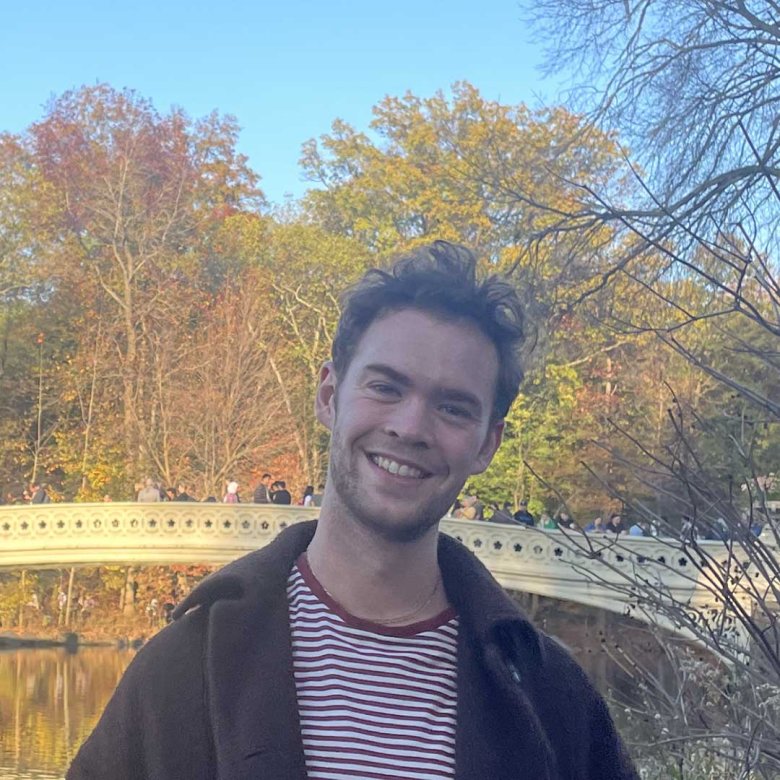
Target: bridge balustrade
{"x": 586, "y": 569}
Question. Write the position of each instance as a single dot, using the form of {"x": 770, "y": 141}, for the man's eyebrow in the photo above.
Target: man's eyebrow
{"x": 390, "y": 373}
{"x": 448, "y": 394}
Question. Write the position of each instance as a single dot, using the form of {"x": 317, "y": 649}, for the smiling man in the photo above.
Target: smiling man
{"x": 367, "y": 645}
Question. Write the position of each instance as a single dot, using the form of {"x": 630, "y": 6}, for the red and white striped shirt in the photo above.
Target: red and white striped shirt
{"x": 374, "y": 701}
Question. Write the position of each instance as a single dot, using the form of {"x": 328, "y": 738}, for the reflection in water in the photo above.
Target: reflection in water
{"x": 49, "y": 702}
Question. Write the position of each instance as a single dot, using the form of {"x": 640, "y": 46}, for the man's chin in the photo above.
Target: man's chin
{"x": 396, "y": 529}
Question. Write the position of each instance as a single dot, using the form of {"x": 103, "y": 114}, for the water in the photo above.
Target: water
{"x": 50, "y": 700}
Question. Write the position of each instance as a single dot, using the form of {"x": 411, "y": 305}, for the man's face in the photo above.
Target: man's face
{"x": 410, "y": 421}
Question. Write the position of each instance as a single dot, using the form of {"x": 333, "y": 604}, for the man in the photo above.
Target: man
{"x": 366, "y": 644}
{"x": 261, "y": 495}
{"x": 502, "y": 515}
{"x": 523, "y": 515}
{"x": 615, "y": 524}
{"x": 39, "y": 494}
{"x": 281, "y": 495}
{"x": 150, "y": 492}
{"x": 183, "y": 494}
{"x": 316, "y": 499}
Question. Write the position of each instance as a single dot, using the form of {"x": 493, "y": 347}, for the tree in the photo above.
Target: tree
{"x": 460, "y": 168}
{"x": 137, "y": 192}
{"x": 235, "y": 421}
{"x": 693, "y": 86}
{"x": 307, "y": 269}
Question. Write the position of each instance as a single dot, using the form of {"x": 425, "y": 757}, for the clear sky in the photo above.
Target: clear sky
{"x": 286, "y": 70}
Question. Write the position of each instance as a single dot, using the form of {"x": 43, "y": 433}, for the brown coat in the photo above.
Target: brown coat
{"x": 213, "y": 695}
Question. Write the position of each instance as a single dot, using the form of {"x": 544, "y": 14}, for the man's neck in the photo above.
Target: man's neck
{"x": 372, "y": 577}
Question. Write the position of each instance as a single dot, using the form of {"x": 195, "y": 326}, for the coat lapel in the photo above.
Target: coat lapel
{"x": 498, "y": 734}
{"x": 253, "y": 703}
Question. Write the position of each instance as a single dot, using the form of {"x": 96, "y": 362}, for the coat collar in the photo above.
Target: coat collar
{"x": 252, "y": 701}
{"x": 470, "y": 587}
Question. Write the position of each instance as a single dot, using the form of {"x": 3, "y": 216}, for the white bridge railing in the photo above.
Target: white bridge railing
{"x": 588, "y": 570}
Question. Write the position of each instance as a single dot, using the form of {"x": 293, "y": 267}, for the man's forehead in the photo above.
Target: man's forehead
{"x": 406, "y": 329}
{"x": 428, "y": 347}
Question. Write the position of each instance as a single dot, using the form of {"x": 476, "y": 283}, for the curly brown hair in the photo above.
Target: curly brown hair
{"x": 440, "y": 279}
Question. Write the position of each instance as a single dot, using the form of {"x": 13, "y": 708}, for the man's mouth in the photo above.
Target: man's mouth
{"x": 398, "y": 469}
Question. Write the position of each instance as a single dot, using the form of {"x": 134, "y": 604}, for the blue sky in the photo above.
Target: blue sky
{"x": 285, "y": 70}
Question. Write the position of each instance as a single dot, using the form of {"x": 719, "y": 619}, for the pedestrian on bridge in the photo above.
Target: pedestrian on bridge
{"x": 262, "y": 494}
{"x": 150, "y": 492}
{"x": 39, "y": 494}
{"x": 524, "y": 516}
{"x": 369, "y": 619}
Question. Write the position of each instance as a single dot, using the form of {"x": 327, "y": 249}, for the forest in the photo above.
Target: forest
{"x": 160, "y": 318}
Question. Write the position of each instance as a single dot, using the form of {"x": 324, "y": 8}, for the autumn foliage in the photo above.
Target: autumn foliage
{"x": 184, "y": 320}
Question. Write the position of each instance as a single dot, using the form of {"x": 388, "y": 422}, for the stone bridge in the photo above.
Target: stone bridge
{"x": 590, "y": 570}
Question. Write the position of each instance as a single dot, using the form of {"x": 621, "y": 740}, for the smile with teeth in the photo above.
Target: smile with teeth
{"x": 398, "y": 469}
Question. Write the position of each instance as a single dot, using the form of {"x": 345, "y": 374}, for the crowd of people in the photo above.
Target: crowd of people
{"x": 471, "y": 508}
{"x": 267, "y": 491}
{"x": 34, "y": 493}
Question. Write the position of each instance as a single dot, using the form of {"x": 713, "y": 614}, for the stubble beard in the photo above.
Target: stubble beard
{"x": 343, "y": 475}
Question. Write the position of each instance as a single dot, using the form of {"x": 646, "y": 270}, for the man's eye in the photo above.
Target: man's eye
{"x": 455, "y": 411}
{"x": 383, "y": 389}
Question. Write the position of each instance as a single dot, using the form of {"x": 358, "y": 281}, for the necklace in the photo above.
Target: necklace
{"x": 393, "y": 621}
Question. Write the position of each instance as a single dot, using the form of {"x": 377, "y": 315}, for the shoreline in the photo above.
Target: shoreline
{"x": 70, "y": 641}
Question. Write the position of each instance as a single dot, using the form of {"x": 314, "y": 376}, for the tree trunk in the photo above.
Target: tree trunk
{"x": 128, "y": 595}
{"x": 71, "y": 577}
{"x": 22, "y": 599}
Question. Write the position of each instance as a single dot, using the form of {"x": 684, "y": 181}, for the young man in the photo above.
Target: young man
{"x": 280, "y": 494}
{"x": 39, "y": 494}
{"x": 367, "y": 645}
{"x": 261, "y": 495}
{"x": 523, "y": 515}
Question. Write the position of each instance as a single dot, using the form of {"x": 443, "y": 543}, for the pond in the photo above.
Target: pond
{"x": 49, "y": 702}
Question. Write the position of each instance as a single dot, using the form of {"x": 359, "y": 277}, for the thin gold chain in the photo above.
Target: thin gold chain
{"x": 406, "y": 618}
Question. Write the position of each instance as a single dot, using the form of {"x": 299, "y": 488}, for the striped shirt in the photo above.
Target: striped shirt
{"x": 374, "y": 701}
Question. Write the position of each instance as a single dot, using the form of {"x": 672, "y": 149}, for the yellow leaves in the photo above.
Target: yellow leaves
{"x": 565, "y": 383}
{"x": 462, "y": 168}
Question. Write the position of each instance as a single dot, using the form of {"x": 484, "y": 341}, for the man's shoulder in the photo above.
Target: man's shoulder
{"x": 254, "y": 575}
{"x": 178, "y": 645}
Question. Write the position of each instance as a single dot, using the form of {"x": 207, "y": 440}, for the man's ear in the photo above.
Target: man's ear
{"x": 491, "y": 444}
{"x": 325, "y": 400}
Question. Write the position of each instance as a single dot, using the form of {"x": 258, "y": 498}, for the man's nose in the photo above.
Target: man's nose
{"x": 411, "y": 421}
